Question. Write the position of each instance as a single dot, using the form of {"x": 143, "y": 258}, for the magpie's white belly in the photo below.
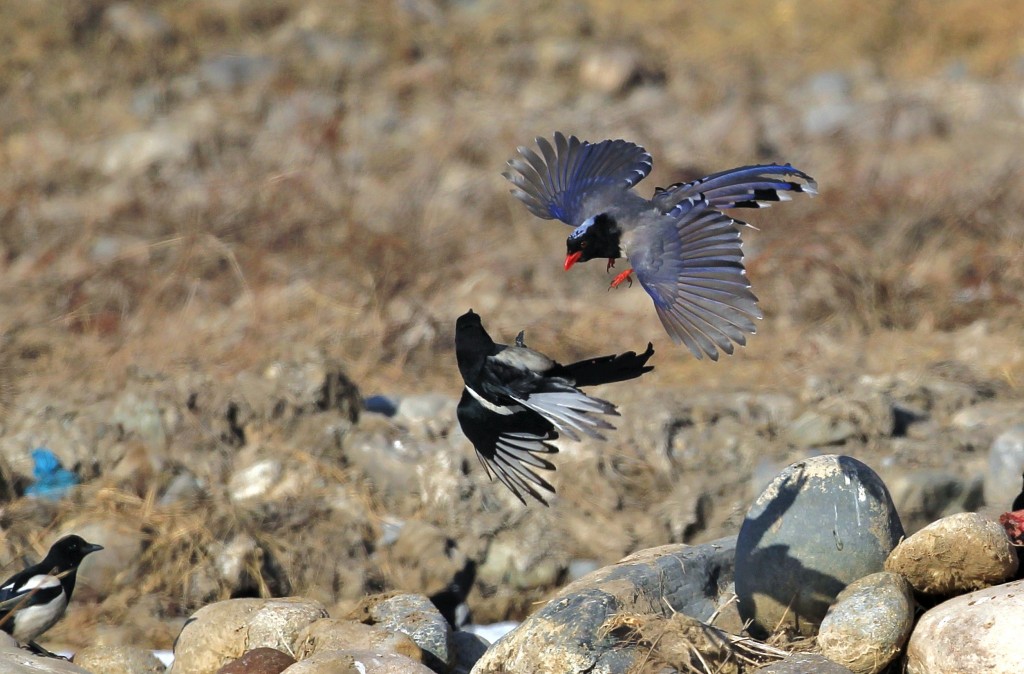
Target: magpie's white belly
{"x": 30, "y": 622}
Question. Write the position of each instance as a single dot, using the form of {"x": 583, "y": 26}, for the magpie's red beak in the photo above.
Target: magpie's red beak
{"x": 572, "y": 258}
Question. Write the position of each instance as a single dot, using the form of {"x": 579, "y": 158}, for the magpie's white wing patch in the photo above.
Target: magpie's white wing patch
{"x": 570, "y": 412}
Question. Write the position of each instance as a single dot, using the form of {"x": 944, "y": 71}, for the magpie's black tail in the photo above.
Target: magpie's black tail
{"x": 607, "y": 369}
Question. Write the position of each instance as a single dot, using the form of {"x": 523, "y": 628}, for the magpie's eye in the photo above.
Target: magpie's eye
{"x": 583, "y": 244}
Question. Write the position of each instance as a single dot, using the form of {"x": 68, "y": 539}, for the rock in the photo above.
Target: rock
{"x": 469, "y": 648}
{"x": 994, "y": 416}
{"x": 821, "y": 524}
{"x": 970, "y": 634}
{"x": 136, "y": 151}
{"x": 136, "y": 25}
{"x": 568, "y": 633}
{"x": 1005, "y": 465}
{"x": 959, "y": 553}
{"x": 866, "y": 627}
{"x": 236, "y": 71}
{"x": 221, "y": 632}
{"x": 23, "y": 662}
{"x": 804, "y": 663}
{"x": 119, "y": 660}
{"x": 423, "y": 558}
{"x": 359, "y": 662}
{"x": 331, "y": 634}
{"x": 416, "y": 616}
{"x": 426, "y": 415}
{"x": 256, "y": 480}
{"x": 16, "y": 660}
{"x": 923, "y": 496}
{"x": 142, "y": 416}
{"x": 259, "y": 661}
{"x": 611, "y": 71}
{"x": 813, "y": 429}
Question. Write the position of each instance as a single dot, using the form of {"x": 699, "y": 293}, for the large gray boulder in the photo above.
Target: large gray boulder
{"x": 568, "y": 634}
{"x": 820, "y": 525}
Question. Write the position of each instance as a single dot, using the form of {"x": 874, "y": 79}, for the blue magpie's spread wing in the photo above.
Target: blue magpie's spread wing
{"x": 555, "y": 183}
{"x": 691, "y": 264}
{"x": 744, "y": 187}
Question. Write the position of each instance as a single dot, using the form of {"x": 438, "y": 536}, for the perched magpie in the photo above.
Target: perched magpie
{"x": 516, "y": 399}
{"x": 684, "y": 251}
{"x": 33, "y": 600}
{"x": 451, "y": 601}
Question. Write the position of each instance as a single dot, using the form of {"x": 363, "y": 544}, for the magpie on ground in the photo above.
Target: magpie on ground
{"x": 33, "y": 600}
{"x": 684, "y": 250}
{"x": 516, "y": 400}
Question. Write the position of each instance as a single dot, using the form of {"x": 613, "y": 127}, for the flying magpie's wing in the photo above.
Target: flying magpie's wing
{"x": 692, "y": 267}
{"x": 508, "y": 445}
{"x": 744, "y": 187}
{"x": 571, "y": 412}
{"x": 517, "y": 378}
{"x": 555, "y": 183}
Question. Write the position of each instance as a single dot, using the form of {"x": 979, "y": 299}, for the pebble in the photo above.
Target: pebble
{"x": 923, "y": 496}
{"x": 119, "y": 660}
{"x": 359, "y": 662}
{"x": 259, "y": 661}
{"x": 866, "y": 627}
{"x": 974, "y": 633}
{"x": 611, "y": 71}
{"x": 223, "y": 631}
{"x": 415, "y": 616}
{"x": 331, "y": 634}
{"x": 821, "y": 524}
{"x": 1005, "y": 466}
{"x": 236, "y": 71}
{"x": 136, "y": 25}
{"x": 956, "y": 554}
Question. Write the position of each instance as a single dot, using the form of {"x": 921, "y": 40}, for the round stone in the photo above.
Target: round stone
{"x": 970, "y": 634}
{"x": 869, "y": 623}
{"x": 821, "y": 524}
{"x": 956, "y": 554}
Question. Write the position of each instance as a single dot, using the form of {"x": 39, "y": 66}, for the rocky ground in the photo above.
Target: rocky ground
{"x": 224, "y": 225}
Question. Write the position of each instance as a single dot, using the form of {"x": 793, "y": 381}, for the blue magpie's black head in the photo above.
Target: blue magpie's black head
{"x": 598, "y": 236}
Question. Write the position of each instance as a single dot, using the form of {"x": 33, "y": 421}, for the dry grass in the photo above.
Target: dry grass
{"x": 361, "y": 228}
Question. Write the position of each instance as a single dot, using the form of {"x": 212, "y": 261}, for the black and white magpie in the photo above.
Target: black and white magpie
{"x": 684, "y": 250}
{"x": 33, "y": 600}
{"x": 516, "y": 400}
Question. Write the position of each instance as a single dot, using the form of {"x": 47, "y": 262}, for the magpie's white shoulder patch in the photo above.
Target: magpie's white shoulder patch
{"x": 41, "y": 582}
{"x": 497, "y": 409}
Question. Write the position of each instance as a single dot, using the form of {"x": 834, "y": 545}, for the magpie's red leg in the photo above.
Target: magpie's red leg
{"x": 624, "y": 276}
{"x": 611, "y": 263}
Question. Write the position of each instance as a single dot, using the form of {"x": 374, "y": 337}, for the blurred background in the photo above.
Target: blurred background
{"x": 202, "y": 191}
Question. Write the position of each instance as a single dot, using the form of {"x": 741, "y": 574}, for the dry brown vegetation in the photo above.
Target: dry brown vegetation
{"x": 347, "y": 200}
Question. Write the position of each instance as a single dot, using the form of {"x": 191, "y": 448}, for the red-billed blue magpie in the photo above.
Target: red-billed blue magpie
{"x": 684, "y": 251}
